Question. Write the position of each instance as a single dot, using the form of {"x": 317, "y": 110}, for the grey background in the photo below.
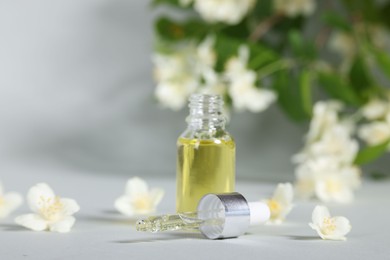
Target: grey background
{"x": 77, "y": 112}
{"x": 76, "y": 91}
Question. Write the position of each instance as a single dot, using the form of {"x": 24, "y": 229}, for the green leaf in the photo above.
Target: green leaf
{"x": 166, "y": 2}
{"x": 305, "y": 85}
{"x": 337, "y": 21}
{"x": 227, "y": 47}
{"x": 300, "y": 47}
{"x": 239, "y": 30}
{"x": 384, "y": 14}
{"x": 339, "y": 88}
{"x": 263, "y": 9}
{"x": 176, "y": 31}
{"x": 371, "y": 153}
{"x": 368, "y": 10}
{"x": 360, "y": 79}
{"x": 289, "y": 93}
{"x": 379, "y": 176}
{"x": 383, "y": 60}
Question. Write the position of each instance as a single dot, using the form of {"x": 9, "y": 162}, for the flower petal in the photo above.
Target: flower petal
{"x": 69, "y": 206}
{"x": 1, "y": 189}
{"x": 64, "y": 225}
{"x": 156, "y": 196}
{"x": 343, "y": 196}
{"x": 12, "y": 200}
{"x": 37, "y": 193}
{"x": 343, "y": 226}
{"x": 124, "y": 205}
{"x": 31, "y": 221}
{"x": 319, "y": 214}
{"x": 136, "y": 186}
{"x": 284, "y": 193}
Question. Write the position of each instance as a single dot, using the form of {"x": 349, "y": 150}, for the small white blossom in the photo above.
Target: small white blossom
{"x": 338, "y": 186}
{"x": 325, "y": 116}
{"x": 175, "y": 80}
{"x": 336, "y": 143}
{"x": 343, "y": 43}
{"x": 375, "y": 133}
{"x": 246, "y": 96}
{"x": 327, "y": 180}
{"x": 327, "y": 227}
{"x": 138, "y": 199}
{"x": 213, "y": 83}
{"x": 206, "y": 55}
{"x": 242, "y": 89}
{"x": 50, "y": 211}
{"x": 281, "y": 202}
{"x": 8, "y": 202}
{"x": 188, "y": 70}
{"x": 293, "y": 8}
{"x": 226, "y": 11}
{"x": 375, "y": 109}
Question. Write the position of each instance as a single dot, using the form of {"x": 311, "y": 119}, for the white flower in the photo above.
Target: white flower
{"x": 173, "y": 94}
{"x": 375, "y": 133}
{"x": 327, "y": 180}
{"x": 245, "y": 95}
{"x": 327, "y": 227}
{"x": 343, "y": 43}
{"x": 8, "y": 202}
{"x": 336, "y": 143}
{"x": 338, "y": 186}
{"x": 51, "y": 212}
{"x": 176, "y": 80}
{"x": 242, "y": 90}
{"x": 281, "y": 202}
{"x": 227, "y": 11}
{"x": 236, "y": 66}
{"x": 375, "y": 109}
{"x": 205, "y": 52}
{"x": 138, "y": 199}
{"x": 293, "y": 8}
{"x": 213, "y": 83}
{"x": 325, "y": 116}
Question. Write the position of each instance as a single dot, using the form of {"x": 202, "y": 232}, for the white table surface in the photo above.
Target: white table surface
{"x": 101, "y": 233}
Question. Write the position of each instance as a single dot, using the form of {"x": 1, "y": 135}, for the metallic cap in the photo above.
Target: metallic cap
{"x": 225, "y": 215}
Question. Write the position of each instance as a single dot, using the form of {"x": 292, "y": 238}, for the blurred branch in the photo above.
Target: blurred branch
{"x": 322, "y": 37}
{"x": 264, "y": 26}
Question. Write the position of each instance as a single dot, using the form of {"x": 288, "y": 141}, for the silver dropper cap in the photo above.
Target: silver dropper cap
{"x": 232, "y": 212}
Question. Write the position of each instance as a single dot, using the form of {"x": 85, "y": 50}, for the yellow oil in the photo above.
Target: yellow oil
{"x": 203, "y": 166}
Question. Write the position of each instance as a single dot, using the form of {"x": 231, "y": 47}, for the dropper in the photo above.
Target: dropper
{"x": 218, "y": 216}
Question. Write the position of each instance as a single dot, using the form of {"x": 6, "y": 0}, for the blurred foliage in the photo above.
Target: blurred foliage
{"x": 301, "y": 48}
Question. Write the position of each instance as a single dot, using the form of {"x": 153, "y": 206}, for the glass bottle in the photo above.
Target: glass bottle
{"x": 205, "y": 153}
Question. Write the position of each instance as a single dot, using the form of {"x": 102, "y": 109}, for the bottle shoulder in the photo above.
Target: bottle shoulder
{"x": 190, "y": 137}
{"x": 206, "y": 134}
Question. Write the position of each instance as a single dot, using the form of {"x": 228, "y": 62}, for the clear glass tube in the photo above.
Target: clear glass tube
{"x": 172, "y": 222}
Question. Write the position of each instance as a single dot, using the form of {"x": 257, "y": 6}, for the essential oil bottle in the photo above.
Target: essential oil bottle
{"x": 205, "y": 153}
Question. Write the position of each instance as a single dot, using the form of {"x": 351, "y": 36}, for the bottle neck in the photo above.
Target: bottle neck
{"x": 206, "y": 112}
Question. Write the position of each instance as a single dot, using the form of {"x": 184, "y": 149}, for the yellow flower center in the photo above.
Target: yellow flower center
{"x": 333, "y": 186}
{"x": 328, "y": 226}
{"x": 142, "y": 203}
{"x": 274, "y": 207}
{"x": 49, "y": 208}
{"x": 1, "y": 201}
